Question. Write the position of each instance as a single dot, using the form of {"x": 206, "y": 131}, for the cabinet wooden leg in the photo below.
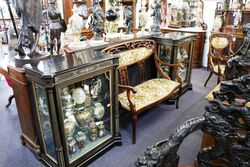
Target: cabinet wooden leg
{"x": 9, "y": 101}
{"x": 22, "y": 140}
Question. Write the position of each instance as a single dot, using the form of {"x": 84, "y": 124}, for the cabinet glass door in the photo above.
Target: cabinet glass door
{"x": 165, "y": 55}
{"x": 45, "y": 121}
{"x": 86, "y": 107}
{"x": 183, "y": 58}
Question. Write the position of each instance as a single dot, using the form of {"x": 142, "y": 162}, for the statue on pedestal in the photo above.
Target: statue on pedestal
{"x": 237, "y": 17}
{"x": 156, "y": 16}
{"x": 30, "y": 13}
{"x": 55, "y": 26}
{"x": 128, "y": 19}
{"x": 96, "y": 20}
{"x": 239, "y": 64}
{"x": 75, "y": 22}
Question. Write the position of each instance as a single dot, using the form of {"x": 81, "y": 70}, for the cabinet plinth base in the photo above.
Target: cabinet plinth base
{"x": 184, "y": 90}
{"x": 115, "y": 142}
{"x": 30, "y": 144}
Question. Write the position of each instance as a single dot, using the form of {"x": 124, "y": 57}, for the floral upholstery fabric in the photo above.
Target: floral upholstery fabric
{"x": 219, "y": 42}
{"x": 133, "y": 56}
{"x": 222, "y": 68}
{"x": 148, "y": 92}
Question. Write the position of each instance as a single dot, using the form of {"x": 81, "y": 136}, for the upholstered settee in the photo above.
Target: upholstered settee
{"x": 148, "y": 91}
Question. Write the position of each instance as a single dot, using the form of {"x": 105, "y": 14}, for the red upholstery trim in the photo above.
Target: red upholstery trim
{"x": 8, "y": 79}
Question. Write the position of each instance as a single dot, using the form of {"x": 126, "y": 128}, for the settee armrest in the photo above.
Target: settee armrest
{"x": 128, "y": 90}
{"x": 163, "y": 74}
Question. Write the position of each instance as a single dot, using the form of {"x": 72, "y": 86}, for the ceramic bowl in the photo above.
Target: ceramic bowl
{"x": 99, "y": 111}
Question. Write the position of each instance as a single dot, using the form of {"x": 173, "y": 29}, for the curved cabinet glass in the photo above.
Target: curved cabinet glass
{"x": 177, "y": 48}
{"x": 75, "y": 106}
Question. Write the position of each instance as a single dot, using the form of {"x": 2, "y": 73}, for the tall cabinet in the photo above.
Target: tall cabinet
{"x": 75, "y": 107}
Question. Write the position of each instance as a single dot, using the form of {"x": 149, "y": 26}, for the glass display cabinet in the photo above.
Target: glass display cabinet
{"x": 177, "y": 48}
{"x": 75, "y": 106}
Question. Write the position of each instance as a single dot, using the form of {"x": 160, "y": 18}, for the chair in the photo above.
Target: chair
{"x": 220, "y": 51}
{"x": 227, "y": 120}
{"x": 147, "y": 92}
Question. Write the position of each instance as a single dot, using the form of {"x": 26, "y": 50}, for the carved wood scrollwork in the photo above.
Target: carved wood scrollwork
{"x": 142, "y": 71}
{"x": 124, "y": 75}
{"x": 129, "y": 46}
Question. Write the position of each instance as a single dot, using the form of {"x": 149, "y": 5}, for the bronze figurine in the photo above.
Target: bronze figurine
{"x": 128, "y": 19}
{"x": 54, "y": 16}
{"x": 96, "y": 20}
{"x": 30, "y": 13}
{"x": 239, "y": 64}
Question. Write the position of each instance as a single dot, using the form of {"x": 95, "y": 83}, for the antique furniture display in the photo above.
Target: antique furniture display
{"x": 75, "y": 106}
{"x": 177, "y": 48}
{"x": 23, "y": 103}
{"x": 226, "y": 120}
{"x": 198, "y": 44}
{"x": 220, "y": 51}
{"x": 147, "y": 92}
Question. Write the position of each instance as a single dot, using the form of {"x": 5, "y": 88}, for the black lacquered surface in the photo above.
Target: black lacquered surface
{"x": 67, "y": 62}
{"x": 175, "y": 36}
